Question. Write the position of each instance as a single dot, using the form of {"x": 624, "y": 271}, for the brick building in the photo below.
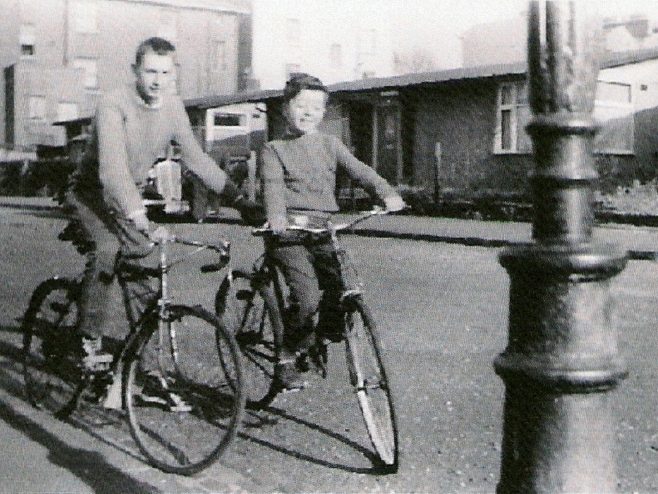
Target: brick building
{"x": 59, "y": 55}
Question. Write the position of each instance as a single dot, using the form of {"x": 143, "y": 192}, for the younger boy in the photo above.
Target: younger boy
{"x": 298, "y": 175}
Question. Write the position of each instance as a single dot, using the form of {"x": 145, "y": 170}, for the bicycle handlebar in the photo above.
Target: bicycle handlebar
{"x": 377, "y": 211}
{"x": 162, "y": 235}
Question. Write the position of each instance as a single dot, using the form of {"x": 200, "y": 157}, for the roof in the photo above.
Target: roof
{"x": 81, "y": 120}
{"x": 229, "y": 99}
{"x": 408, "y": 80}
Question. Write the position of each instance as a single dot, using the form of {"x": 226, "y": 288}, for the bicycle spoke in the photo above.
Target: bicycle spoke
{"x": 51, "y": 346}
{"x": 245, "y": 314}
{"x": 368, "y": 377}
{"x": 185, "y": 406}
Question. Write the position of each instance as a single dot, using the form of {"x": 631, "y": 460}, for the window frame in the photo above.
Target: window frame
{"x": 27, "y": 38}
{"x": 75, "y": 64}
{"x": 42, "y": 113}
{"x": 513, "y": 108}
{"x": 516, "y": 104}
{"x": 84, "y": 15}
{"x": 219, "y": 54}
{"x": 168, "y": 24}
{"x": 60, "y": 103}
{"x": 630, "y": 106}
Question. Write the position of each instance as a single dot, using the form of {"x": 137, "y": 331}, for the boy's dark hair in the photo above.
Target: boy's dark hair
{"x": 157, "y": 45}
{"x": 301, "y": 81}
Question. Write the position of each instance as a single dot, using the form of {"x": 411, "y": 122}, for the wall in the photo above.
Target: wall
{"x": 461, "y": 116}
{"x": 56, "y": 85}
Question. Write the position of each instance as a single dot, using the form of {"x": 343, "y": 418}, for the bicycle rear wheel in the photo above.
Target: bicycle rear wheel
{"x": 184, "y": 402}
{"x": 51, "y": 346}
{"x": 368, "y": 376}
{"x": 246, "y": 313}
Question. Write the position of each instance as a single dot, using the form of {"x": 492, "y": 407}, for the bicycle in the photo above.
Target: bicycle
{"x": 201, "y": 401}
{"x": 252, "y": 304}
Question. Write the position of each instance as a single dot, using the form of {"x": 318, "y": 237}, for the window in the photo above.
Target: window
{"x": 292, "y": 68}
{"x": 26, "y": 39}
{"x": 168, "y": 25}
{"x": 229, "y": 120}
{"x": 85, "y": 16}
{"x": 293, "y": 32}
{"x": 90, "y": 71}
{"x": 218, "y": 55}
{"x": 512, "y": 117}
{"x": 613, "y": 109}
{"x": 336, "y": 56}
{"x": 37, "y": 108}
{"x": 66, "y": 111}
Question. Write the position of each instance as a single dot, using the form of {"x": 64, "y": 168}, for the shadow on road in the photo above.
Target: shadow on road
{"x": 272, "y": 415}
{"x": 88, "y": 466}
{"x": 78, "y": 459}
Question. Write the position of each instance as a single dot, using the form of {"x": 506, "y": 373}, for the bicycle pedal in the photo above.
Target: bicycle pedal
{"x": 98, "y": 362}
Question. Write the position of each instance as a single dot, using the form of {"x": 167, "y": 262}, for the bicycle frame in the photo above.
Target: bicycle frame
{"x": 351, "y": 286}
{"x": 161, "y": 300}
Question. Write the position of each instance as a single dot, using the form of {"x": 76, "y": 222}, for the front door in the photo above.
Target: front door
{"x": 388, "y": 151}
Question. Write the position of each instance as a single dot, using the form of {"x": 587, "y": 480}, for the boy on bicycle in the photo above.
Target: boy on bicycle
{"x": 134, "y": 125}
{"x": 298, "y": 175}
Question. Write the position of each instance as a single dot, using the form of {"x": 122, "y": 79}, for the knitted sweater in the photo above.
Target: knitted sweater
{"x": 299, "y": 173}
{"x": 128, "y": 138}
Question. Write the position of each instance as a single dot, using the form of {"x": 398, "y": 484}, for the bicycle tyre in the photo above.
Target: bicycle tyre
{"x": 51, "y": 347}
{"x": 368, "y": 376}
{"x": 247, "y": 314}
{"x": 173, "y": 438}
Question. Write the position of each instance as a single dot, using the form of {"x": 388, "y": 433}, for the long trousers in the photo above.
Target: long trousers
{"x": 312, "y": 274}
{"x": 108, "y": 234}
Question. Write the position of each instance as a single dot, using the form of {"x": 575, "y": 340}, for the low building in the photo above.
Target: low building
{"x": 464, "y": 129}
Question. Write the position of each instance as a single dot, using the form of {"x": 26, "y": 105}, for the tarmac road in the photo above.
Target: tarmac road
{"x": 443, "y": 312}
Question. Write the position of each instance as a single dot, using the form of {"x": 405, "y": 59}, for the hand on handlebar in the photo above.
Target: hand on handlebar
{"x": 141, "y": 222}
{"x": 394, "y": 203}
{"x": 160, "y": 235}
{"x": 278, "y": 224}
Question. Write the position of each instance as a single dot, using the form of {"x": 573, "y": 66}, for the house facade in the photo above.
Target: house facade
{"x": 58, "y": 56}
{"x": 463, "y": 130}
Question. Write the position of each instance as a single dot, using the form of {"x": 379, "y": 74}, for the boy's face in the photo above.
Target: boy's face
{"x": 305, "y": 111}
{"x": 154, "y": 76}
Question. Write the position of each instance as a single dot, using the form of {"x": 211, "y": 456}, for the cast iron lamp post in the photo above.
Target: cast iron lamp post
{"x": 561, "y": 362}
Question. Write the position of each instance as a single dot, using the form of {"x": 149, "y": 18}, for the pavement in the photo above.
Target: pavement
{"x": 640, "y": 241}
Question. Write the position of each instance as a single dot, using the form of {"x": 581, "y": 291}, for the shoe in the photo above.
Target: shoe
{"x": 156, "y": 392}
{"x": 331, "y": 329}
{"x": 93, "y": 360}
{"x": 288, "y": 375}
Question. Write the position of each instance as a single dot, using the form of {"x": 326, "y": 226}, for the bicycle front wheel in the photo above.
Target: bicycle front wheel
{"x": 51, "y": 346}
{"x": 184, "y": 390}
{"x": 368, "y": 376}
{"x": 247, "y": 314}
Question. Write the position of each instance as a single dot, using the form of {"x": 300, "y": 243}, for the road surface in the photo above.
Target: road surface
{"x": 442, "y": 310}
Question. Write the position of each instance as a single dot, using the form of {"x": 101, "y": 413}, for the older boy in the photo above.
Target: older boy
{"x": 134, "y": 125}
{"x": 298, "y": 179}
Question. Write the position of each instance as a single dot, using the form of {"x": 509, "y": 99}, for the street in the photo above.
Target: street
{"x": 442, "y": 312}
